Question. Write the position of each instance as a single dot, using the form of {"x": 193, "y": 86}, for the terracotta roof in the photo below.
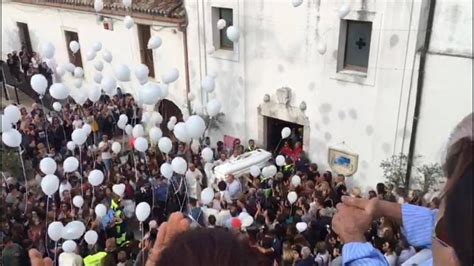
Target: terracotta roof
{"x": 171, "y": 9}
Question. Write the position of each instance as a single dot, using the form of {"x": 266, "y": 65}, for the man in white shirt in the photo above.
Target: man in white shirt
{"x": 222, "y": 159}
{"x": 193, "y": 182}
{"x": 234, "y": 188}
{"x": 106, "y": 155}
{"x": 77, "y": 123}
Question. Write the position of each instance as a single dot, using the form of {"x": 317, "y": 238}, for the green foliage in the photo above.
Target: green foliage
{"x": 429, "y": 175}
{"x": 395, "y": 170}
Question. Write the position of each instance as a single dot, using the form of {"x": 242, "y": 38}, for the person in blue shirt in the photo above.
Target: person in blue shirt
{"x": 447, "y": 232}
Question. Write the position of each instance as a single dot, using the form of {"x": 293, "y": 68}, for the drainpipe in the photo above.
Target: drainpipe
{"x": 183, "y": 28}
{"x": 419, "y": 92}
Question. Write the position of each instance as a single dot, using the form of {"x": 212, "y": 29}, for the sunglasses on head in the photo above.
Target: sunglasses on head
{"x": 440, "y": 233}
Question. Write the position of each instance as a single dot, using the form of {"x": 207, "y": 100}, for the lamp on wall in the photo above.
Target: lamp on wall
{"x": 303, "y": 106}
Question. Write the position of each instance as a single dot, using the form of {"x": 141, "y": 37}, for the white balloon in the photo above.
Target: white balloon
{"x": 173, "y": 119}
{"x": 50, "y": 184}
{"x": 280, "y": 160}
{"x": 154, "y": 42}
{"x": 344, "y": 11}
{"x": 166, "y": 170}
{"x": 165, "y": 145}
{"x": 141, "y": 144}
{"x": 122, "y": 72}
{"x": 51, "y": 63}
{"x": 39, "y": 83}
{"x": 138, "y": 131}
{"x": 71, "y": 145}
{"x": 150, "y": 93}
{"x": 78, "y": 201}
{"x": 170, "y": 125}
{"x": 96, "y": 177}
{"x": 108, "y": 83}
{"x": 98, "y": 65}
{"x": 195, "y": 126}
{"x": 55, "y": 230}
{"x": 164, "y": 90}
{"x": 47, "y": 50}
{"x": 247, "y": 221}
{"x": 12, "y": 113}
{"x": 123, "y": 118}
{"x": 301, "y": 226}
{"x": 57, "y": 106}
{"x": 156, "y": 118}
{"x": 119, "y": 189}
{"x": 155, "y": 134}
{"x": 78, "y": 72}
{"x": 91, "y": 237}
{"x": 221, "y": 23}
{"x": 100, "y": 210}
{"x": 285, "y": 132}
{"x": 73, "y": 230}
{"x": 141, "y": 72}
{"x": 142, "y": 211}
{"x": 255, "y": 171}
{"x": 213, "y": 107}
{"x": 107, "y": 56}
{"x": 292, "y": 197}
{"x": 60, "y": 71}
{"x": 207, "y": 195}
{"x": 208, "y": 84}
{"x": 233, "y": 33}
{"x": 91, "y": 54}
{"x": 296, "y": 180}
{"x": 128, "y": 22}
{"x": 207, "y": 154}
{"x": 48, "y": 166}
{"x": 322, "y": 47}
{"x": 98, "y": 5}
{"x": 127, "y": 3}
{"x": 181, "y": 132}
{"x": 69, "y": 246}
{"x": 71, "y": 163}
{"x": 179, "y": 165}
{"x": 58, "y": 91}
{"x": 97, "y": 77}
{"x": 97, "y": 46}
{"x": 74, "y": 46}
{"x": 11, "y": 138}
{"x": 296, "y": 3}
{"x": 269, "y": 171}
{"x": 94, "y": 93}
{"x": 87, "y": 129}
{"x": 191, "y": 97}
{"x": 78, "y": 82}
{"x": 79, "y": 136}
{"x": 171, "y": 76}
{"x": 116, "y": 147}
{"x": 69, "y": 67}
{"x": 128, "y": 130}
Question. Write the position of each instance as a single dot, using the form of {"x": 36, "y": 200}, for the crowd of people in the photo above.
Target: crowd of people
{"x": 24, "y": 64}
{"x": 309, "y": 231}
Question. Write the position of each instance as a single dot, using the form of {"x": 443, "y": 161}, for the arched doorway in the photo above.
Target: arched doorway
{"x": 168, "y": 109}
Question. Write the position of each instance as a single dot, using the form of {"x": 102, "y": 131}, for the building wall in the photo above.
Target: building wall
{"x": 48, "y": 24}
{"x": 278, "y": 48}
{"x": 447, "y": 93}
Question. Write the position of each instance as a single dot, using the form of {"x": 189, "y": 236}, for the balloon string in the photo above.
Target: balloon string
{"x": 46, "y": 123}
{"x": 24, "y": 177}
{"x": 142, "y": 241}
{"x": 55, "y": 253}
{"x": 46, "y": 222}
{"x": 81, "y": 174}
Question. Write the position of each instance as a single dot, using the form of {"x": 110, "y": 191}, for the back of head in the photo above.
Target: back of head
{"x": 206, "y": 246}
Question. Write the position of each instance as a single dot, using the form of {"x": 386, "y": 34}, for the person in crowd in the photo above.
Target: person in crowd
{"x": 193, "y": 181}
{"x": 234, "y": 188}
{"x": 251, "y": 146}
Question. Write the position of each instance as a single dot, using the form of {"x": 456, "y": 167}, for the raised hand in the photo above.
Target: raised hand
{"x": 37, "y": 260}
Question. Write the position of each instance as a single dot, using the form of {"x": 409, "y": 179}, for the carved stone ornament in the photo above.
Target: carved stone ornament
{"x": 266, "y": 98}
{"x": 283, "y": 95}
{"x": 303, "y": 106}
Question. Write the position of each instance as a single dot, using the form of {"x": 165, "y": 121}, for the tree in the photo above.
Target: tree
{"x": 430, "y": 174}
{"x": 395, "y": 170}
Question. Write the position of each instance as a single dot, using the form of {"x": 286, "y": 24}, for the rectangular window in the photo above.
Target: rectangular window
{"x": 76, "y": 58}
{"x": 24, "y": 35}
{"x": 220, "y": 37}
{"x": 146, "y": 54}
{"x": 357, "y": 45}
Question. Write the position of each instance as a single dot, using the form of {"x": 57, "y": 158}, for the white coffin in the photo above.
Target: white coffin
{"x": 241, "y": 165}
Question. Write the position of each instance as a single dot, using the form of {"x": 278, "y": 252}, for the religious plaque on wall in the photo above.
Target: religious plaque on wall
{"x": 343, "y": 162}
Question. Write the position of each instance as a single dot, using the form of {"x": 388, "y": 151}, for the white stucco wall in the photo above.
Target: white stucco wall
{"x": 278, "y": 48}
{"x": 447, "y": 92}
{"x": 49, "y": 24}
